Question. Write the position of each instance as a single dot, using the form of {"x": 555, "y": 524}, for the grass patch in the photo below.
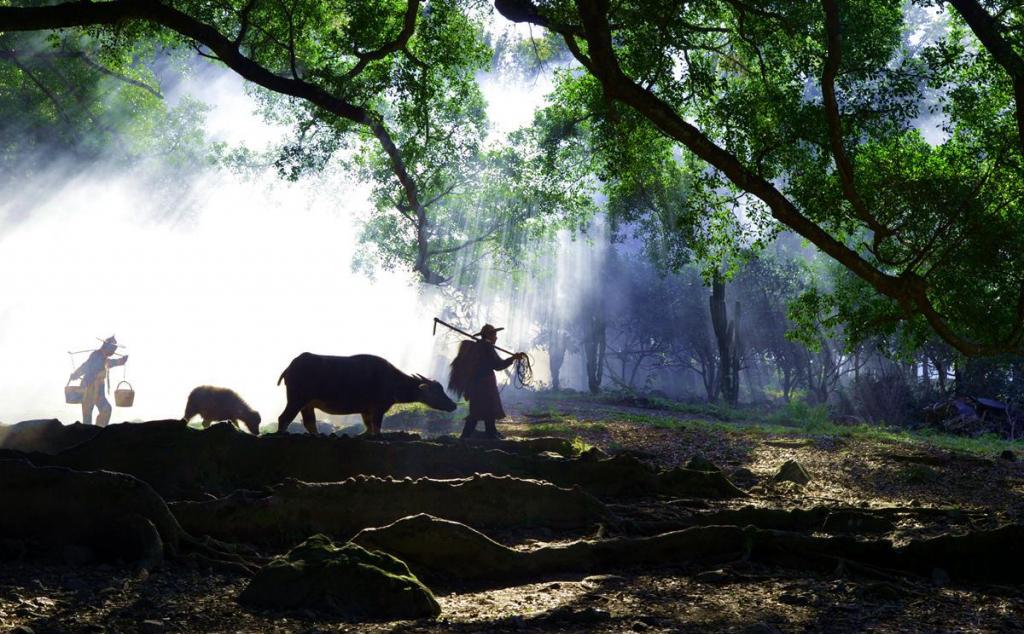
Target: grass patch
{"x": 419, "y": 414}
{"x": 660, "y": 422}
{"x": 580, "y": 446}
{"x": 797, "y": 418}
{"x": 716, "y": 411}
{"x": 563, "y": 426}
{"x": 805, "y": 420}
{"x": 809, "y": 418}
{"x": 409, "y": 408}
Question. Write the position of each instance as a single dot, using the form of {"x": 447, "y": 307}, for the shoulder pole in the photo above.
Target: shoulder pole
{"x": 464, "y": 333}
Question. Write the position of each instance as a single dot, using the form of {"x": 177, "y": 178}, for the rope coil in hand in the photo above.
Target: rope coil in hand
{"x": 523, "y": 374}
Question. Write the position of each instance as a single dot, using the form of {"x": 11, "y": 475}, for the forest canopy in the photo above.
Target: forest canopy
{"x": 889, "y": 135}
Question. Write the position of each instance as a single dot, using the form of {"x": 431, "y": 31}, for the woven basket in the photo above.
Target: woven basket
{"x": 73, "y": 394}
{"x": 124, "y": 397}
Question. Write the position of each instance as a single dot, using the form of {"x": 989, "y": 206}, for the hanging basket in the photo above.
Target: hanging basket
{"x": 124, "y": 397}
{"x": 73, "y": 394}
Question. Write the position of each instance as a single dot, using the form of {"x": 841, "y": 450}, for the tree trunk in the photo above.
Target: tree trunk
{"x": 727, "y": 336}
{"x": 594, "y": 350}
{"x": 787, "y": 383}
{"x": 556, "y": 356}
{"x": 710, "y": 378}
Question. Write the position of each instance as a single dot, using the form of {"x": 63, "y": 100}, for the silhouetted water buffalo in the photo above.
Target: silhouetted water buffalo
{"x": 220, "y": 403}
{"x": 360, "y": 384}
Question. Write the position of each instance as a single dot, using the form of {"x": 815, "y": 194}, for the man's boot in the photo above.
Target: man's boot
{"x": 491, "y": 431}
{"x": 468, "y": 429}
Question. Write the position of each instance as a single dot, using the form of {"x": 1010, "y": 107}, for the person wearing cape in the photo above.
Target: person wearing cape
{"x": 93, "y": 374}
{"x": 472, "y": 376}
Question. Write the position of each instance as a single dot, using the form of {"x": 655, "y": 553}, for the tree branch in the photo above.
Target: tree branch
{"x": 243, "y": 22}
{"x": 58, "y": 108}
{"x": 398, "y": 44}
{"x": 990, "y": 32}
{"x": 834, "y": 46}
{"x": 477, "y": 240}
{"x": 88, "y": 61}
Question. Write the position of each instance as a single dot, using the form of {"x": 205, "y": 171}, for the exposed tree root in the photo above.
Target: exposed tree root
{"x": 440, "y": 550}
{"x": 522, "y": 446}
{"x": 182, "y": 463}
{"x": 819, "y": 518}
{"x": 294, "y": 510}
{"x": 85, "y": 516}
{"x": 47, "y": 436}
{"x": 937, "y": 460}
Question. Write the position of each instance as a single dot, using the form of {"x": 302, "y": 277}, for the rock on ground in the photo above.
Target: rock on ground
{"x": 347, "y": 580}
{"x": 792, "y": 471}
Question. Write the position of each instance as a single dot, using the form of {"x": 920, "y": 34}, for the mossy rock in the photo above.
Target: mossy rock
{"x": 347, "y": 580}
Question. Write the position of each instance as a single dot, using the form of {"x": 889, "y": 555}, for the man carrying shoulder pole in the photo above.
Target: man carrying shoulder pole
{"x": 472, "y": 376}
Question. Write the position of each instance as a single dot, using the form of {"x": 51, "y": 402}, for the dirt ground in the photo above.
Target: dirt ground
{"x": 971, "y": 492}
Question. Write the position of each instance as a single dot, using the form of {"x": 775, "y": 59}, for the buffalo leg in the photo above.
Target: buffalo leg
{"x": 491, "y": 431}
{"x": 286, "y": 417}
{"x": 469, "y": 428}
{"x": 309, "y": 420}
{"x": 372, "y": 420}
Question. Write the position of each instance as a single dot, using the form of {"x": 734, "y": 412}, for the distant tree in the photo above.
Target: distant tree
{"x": 70, "y": 100}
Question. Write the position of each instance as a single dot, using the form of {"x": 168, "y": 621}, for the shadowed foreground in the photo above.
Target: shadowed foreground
{"x": 159, "y": 527}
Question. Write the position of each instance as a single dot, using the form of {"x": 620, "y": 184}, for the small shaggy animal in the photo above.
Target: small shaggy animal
{"x": 220, "y": 403}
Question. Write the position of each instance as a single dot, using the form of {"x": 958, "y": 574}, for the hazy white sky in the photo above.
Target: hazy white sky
{"x": 225, "y": 294}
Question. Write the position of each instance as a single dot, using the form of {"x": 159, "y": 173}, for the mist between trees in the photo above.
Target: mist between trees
{"x": 718, "y": 200}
